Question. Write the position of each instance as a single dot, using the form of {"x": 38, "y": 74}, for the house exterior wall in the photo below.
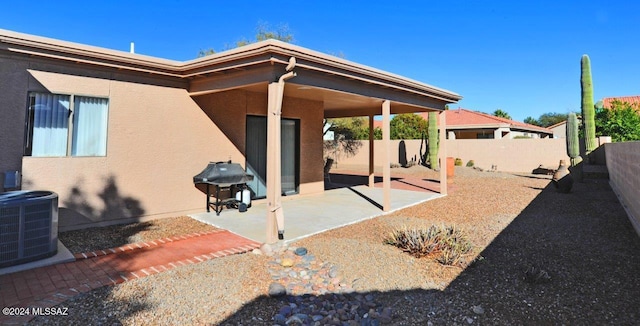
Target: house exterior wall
{"x": 158, "y": 138}
{"x": 13, "y": 101}
{"x": 229, "y": 110}
{"x": 560, "y": 131}
{"x": 495, "y": 133}
{"x": 624, "y": 176}
{"x": 512, "y": 155}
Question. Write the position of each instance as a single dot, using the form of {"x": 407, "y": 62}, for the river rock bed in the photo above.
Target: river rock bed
{"x": 312, "y": 292}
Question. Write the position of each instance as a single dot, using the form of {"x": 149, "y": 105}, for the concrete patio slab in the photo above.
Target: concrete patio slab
{"x": 311, "y": 214}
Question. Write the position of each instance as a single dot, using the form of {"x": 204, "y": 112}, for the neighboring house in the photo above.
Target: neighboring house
{"x": 633, "y": 100}
{"x": 119, "y": 136}
{"x": 467, "y": 124}
{"x": 559, "y": 129}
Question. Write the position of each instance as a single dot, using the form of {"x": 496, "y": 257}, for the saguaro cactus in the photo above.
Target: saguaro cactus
{"x": 588, "y": 109}
{"x": 573, "y": 149}
{"x": 433, "y": 140}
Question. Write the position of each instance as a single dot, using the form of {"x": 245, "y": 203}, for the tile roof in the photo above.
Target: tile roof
{"x": 462, "y": 118}
{"x": 634, "y": 100}
{"x": 563, "y": 122}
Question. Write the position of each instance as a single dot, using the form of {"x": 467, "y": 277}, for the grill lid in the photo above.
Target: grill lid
{"x": 223, "y": 173}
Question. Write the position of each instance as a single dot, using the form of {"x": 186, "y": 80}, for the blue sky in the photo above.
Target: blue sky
{"x": 521, "y": 57}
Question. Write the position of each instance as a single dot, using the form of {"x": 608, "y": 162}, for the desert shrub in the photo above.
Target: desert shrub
{"x": 447, "y": 245}
{"x": 470, "y": 164}
{"x": 458, "y": 161}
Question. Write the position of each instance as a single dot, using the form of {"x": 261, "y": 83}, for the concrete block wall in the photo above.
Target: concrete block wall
{"x": 624, "y": 176}
{"x": 509, "y": 155}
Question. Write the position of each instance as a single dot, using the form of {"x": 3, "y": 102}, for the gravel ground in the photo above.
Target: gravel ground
{"x": 545, "y": 258}
{"x": 118, "y": 235}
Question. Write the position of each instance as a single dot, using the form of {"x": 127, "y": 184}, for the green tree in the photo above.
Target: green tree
{"x": 546, "y": 119}
{"x": 408, "y": 126}
{"x": 621, "y": 121}
{"x": 502, "y": 114}
{"x": 550, "y": 118}
{"x": 531, "y": 121}
{"x": 263, "y": 32}
{"x": 350, "y": 128}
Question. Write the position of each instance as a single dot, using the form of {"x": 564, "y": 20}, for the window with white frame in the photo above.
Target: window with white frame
{"x": 66, "y": 125}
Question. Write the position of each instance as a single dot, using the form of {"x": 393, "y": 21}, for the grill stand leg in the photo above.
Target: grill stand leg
{"x": 218, "y": 201}
{"x": 208, "y": 200}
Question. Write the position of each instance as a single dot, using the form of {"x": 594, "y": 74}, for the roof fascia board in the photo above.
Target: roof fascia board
{"x": 49, "y": 44}
{"x": 62, "y": 50}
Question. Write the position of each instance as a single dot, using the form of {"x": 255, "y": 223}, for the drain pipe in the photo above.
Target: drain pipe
{"x": 276, "y": 208}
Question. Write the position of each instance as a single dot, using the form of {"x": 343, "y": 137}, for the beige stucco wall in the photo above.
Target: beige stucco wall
{"x": 229, "y": 110}
{"x": 13, "y": 101}
{"x": 624, "y": 176}
{"x": 512, "y": 155}
{"x": 158, "y": 139}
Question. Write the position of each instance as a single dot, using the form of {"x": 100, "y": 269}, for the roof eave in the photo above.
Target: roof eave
{"x": 251, "y": 54}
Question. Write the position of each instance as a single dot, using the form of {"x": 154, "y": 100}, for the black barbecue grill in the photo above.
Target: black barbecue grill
{"x": 223, "y": 175}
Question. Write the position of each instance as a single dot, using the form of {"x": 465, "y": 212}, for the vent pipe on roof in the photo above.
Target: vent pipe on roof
{"x": 132, "y": 48}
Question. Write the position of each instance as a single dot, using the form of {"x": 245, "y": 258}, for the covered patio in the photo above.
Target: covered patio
{"x": 311, "y": 214}
{"x": 277, "y": 80}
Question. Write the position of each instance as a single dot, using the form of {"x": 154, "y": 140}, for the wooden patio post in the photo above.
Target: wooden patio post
{"x": 442, "y": 154}
{"x": 386, "y": 161}
{"x": 371, "y": 143}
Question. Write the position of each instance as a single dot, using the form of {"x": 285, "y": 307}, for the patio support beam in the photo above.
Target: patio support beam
{"x": 442, "y": 153}
{"x": 372, "y": 177}
{"x": 274, "y": 181}
{"x": 386, "y": 161}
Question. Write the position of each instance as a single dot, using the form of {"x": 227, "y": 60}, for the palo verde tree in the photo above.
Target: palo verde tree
{"x": 263, "y": 32}
{"x": 547, "y": 119}
{"x": 407, "y": 126}
{"x": 346, "y": 135}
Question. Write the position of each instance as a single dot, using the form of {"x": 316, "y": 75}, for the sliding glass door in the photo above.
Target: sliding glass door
{"x": 256, "y": 155}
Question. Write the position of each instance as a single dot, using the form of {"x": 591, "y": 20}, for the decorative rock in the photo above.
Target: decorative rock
{"x": 266, "y": 249}
{"x": 315, "y": 294}
{"x": 285, "y": 311}
{"x": 300, "y": 251}
{"x": 256, "y": 251}
{"x": 276, "y": 290}
{"x": 280, "y": 319}
{"x": 478, "y": 310}
{"x": 287, "y": 262}
{"x": 295, "y": 320}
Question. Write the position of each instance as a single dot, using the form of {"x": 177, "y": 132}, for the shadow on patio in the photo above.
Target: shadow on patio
{"x": 583, "y": 241}
{"x": 342, "y": 180}
{"x": 306, "y": 215}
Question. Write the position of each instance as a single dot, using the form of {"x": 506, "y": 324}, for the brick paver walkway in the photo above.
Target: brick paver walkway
{"x": 51, "y": 285}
